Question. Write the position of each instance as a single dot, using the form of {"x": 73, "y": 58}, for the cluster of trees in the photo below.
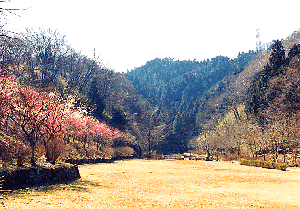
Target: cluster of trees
{"x": 268, "y": 123}
{"x": 45, "y": 62}
{"x": 35, "y": 122}
{"x": 178, "y": 87}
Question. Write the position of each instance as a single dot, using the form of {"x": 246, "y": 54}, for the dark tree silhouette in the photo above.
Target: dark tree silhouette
{"x": 277, "y": 58}
{"x": 257, "y": 101}
{"x": 295, "y": 50}
{"x": 118, "y": 119}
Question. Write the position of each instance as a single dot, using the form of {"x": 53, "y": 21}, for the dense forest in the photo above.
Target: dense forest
{"x": 58, "y": 104}
{"x": 179, "y": 88}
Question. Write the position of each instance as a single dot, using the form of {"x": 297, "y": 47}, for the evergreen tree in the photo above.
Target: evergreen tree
{"x": 118, "y": 119}
{"x": 96, "y": 100}
{"x": 277, "y": 58}
{"x": 256, "y": 97}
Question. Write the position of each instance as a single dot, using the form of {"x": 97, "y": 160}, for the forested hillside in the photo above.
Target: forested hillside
{"x": 263, "y": 115}
{"x": 179, "y": 88}
{"x": 88, "y": 108}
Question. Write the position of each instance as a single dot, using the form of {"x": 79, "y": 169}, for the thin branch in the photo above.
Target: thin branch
{"x": 13, "y": 9}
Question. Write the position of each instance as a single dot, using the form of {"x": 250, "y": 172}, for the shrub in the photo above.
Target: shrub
{"x": 107, "y": 152}
{"x": 124, "y": 151}
{"x": 264, "y": 164}
{"x": 281, "y": 166}
{"x": 55, "y": 148}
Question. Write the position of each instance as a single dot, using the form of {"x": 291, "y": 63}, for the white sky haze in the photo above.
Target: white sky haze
{"x": 128, "y": 33}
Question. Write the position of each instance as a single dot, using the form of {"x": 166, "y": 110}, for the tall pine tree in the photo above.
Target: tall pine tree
{"x": 256, "y": 98}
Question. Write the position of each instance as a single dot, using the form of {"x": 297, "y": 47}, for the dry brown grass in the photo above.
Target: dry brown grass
{"x": 168, "y": 184}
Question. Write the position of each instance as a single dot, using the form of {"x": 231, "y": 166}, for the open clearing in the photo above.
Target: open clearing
{"x": 167, "y": 184}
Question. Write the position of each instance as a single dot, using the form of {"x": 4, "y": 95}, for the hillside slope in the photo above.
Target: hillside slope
{"x": 263, "y": 102}
{"x": 232, "y": 90}
{"x": 178, "y": 86}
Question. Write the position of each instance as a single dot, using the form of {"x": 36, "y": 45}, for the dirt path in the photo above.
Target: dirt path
{"x": 169, "y": 184}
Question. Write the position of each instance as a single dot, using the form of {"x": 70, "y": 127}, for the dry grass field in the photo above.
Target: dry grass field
{"x": 167, "y": 184}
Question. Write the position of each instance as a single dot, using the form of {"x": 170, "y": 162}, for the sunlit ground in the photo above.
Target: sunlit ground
{"x": 167, "y": 184}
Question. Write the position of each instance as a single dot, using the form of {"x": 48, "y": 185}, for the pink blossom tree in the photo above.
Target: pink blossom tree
{"x": 22, "y": 112}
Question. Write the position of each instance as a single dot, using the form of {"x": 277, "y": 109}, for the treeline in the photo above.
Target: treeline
{"x": 266, "y": 121}
{"x": 178, "y": 87}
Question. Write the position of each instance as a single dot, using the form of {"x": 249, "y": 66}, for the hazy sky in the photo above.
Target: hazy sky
{"x": 128, "y": 33}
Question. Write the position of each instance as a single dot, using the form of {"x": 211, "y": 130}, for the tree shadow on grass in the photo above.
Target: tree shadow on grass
{"x": 78, "y": 186}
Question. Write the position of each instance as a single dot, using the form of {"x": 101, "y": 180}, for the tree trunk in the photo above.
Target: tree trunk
{"x": 33, "y": 163}
{"x": 47, "y": 155}
{"x": 85, "y": 149}
{"x": 208, "y": 155}
{"x": 149, "y": 143}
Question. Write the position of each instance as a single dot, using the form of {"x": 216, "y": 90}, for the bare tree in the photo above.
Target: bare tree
{"x": 4, "y": 18}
